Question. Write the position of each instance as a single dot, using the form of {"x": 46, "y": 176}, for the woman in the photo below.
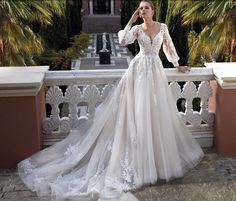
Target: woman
{"x": 139, "y": 139}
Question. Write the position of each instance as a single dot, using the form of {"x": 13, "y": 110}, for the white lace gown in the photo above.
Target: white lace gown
{"x": 136, "y": 136}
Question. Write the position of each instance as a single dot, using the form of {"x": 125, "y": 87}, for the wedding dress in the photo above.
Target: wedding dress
{"x": 135, "y": 138}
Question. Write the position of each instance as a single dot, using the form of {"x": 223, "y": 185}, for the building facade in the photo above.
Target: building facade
{"x": 101, "y": 7}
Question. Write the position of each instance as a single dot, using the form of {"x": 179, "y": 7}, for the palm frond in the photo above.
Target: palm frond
{"x": 218, "y": 25}
{"x": 19, "y": 41}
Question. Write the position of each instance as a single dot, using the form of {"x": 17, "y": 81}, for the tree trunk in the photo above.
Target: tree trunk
{"x": 161, "y": 11}
{"x": 233, "y": 50}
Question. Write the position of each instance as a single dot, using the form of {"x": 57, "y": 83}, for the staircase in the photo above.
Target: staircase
{"x": 101, "y": 23}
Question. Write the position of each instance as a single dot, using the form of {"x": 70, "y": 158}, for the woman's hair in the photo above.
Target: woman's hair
{"x": 150, "y": 3}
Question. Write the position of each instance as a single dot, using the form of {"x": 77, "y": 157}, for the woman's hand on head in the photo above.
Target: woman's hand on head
{"x": 134, "y": 17}
{"x": 183, "y": 69}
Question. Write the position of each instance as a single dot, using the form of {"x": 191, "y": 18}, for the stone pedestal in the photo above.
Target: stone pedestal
{"x": 225, "y": 122}
{"x": 22, "y": 106}
{"x": 225, "y": 112}
{"x": 104, "y": 57}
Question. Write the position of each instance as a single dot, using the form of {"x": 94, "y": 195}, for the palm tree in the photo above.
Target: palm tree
{"x": 18, "y": 43}
{"x": 218, "y": 35}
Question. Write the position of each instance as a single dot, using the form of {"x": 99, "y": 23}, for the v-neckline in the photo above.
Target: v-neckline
{"x": 154, "y": 36}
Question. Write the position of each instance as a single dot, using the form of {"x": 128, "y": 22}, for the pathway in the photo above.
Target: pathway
{"x": 214, "y": 179}
{"x": 120, "y": 57}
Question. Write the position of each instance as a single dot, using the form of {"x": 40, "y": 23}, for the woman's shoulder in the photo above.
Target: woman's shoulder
{"x": 163, "y": 25}
{"x": 137, "y": 28}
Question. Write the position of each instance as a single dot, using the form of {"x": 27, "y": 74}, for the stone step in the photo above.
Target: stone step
{"x": 101, "y": 23}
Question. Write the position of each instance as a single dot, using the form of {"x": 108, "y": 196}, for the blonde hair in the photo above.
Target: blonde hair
{"x": 150, "y": 3}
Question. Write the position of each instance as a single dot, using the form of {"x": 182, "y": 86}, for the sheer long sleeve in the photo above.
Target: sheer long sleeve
{"x": 127, "y": 35}
{"x": 169, "y": 48}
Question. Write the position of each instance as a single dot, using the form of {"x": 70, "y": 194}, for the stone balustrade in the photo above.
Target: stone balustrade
{"x": 72, "y": 97}
{"x": 205, "y": 98}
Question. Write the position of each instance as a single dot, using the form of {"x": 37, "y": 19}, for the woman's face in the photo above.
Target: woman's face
{"x": 145, "y": 10}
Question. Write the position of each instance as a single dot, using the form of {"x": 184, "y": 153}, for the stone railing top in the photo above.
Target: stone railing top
{"x": 225, "y": 73}
{"x": 21, "y": 81}
{"x": 196, "y": 74}
{"x": 98, "y": 76}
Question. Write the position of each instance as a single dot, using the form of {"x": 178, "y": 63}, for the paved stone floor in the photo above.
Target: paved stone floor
{"x": 90, "y": 64}
{"x": 214, "y": 179}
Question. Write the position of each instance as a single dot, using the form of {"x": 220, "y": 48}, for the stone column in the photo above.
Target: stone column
{"x": 22, "y": 106}
{"x": 225, "y": 110}
{"x": 91, "y": 7}
{"x": 112, "y": 7}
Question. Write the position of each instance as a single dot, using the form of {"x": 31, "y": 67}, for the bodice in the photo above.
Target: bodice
{"x": 150, "y": 45}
